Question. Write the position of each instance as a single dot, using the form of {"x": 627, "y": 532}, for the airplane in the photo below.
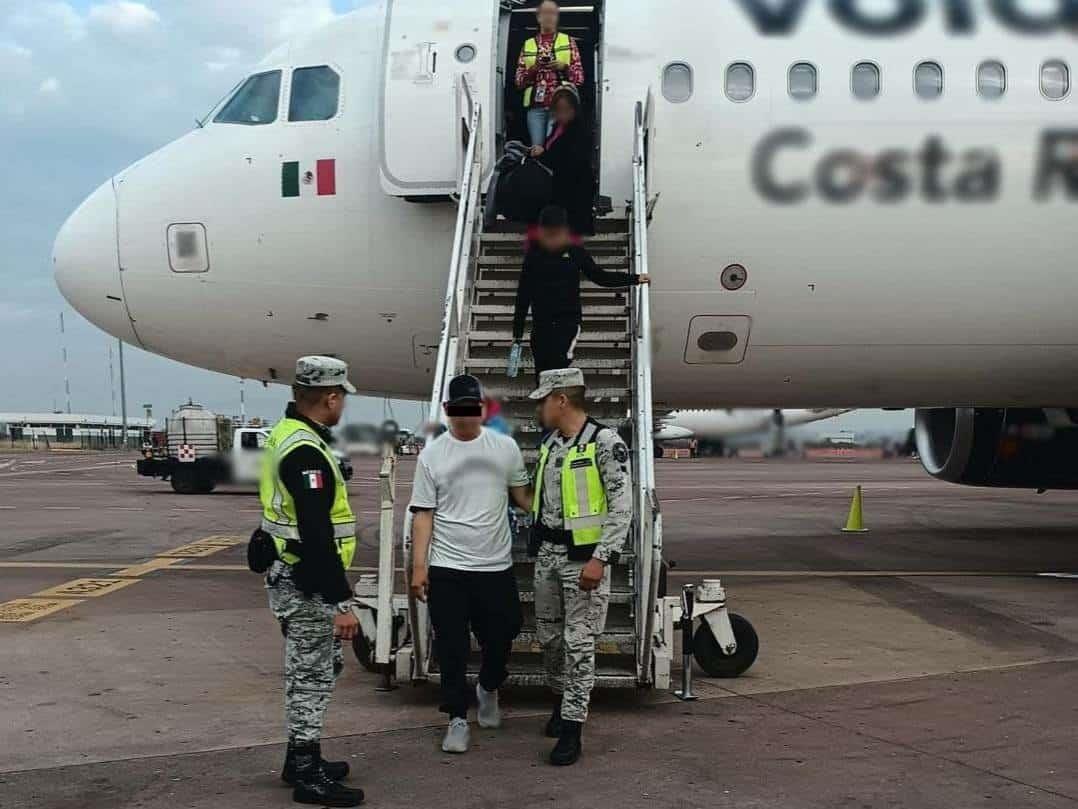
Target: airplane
{"x": 714, "y": 429}
{"x": 870, "y": 205}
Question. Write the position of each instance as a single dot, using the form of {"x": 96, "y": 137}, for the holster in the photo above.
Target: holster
{"x": 261, "y": 551}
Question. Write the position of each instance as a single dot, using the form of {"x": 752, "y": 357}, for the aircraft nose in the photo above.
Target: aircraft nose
{"x": 86, "y": 264}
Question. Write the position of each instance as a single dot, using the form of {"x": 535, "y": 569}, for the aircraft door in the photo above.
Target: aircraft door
{"x": 432, "y": 50}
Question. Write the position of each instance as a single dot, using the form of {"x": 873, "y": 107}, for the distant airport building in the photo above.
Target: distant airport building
{"x": 71, "y": 428}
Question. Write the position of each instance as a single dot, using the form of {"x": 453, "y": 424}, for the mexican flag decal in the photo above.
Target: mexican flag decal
{"x": 300, "y": 180}
{"x": 313, "y": 478}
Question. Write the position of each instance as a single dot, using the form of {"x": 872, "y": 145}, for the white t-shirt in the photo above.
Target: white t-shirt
{"x": 467, "y": 485}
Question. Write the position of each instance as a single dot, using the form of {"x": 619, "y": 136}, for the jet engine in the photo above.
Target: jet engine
{"x": 1006, "y": 448}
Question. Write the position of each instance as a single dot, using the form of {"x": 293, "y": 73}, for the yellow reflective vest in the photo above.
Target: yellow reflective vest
{"x": 563, "y": 49}
{"x": 279, "y": 509}
{"x": 583, "y": 496}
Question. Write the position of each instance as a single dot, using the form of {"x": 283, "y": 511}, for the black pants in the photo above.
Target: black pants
{"x": 489, "y": 605}
{"x": 551, "y": 343}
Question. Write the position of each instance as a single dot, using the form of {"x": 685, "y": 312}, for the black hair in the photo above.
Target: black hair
{"x": 308, "y": 396}
{"x": 576, "y": 396}
{"x": 553, "y": 216}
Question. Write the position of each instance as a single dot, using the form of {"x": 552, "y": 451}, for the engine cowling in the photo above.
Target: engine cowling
{"x": 1006, "y": 448}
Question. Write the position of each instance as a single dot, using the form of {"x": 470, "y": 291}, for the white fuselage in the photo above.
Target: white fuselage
{"x": 895, "y": 249}
{"x": 720, "y": 425}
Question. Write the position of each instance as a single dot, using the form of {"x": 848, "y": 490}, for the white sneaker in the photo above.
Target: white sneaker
{"x": 456, "y": 737}
{"x": 490, "y": 714}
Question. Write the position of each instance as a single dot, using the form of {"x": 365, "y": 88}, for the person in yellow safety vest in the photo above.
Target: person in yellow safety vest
{"x": 305, "y": 509}
{"x": 546, "y": 61}
{"x": 582, "y": 509}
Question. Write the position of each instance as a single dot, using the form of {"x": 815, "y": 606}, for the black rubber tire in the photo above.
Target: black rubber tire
{"x": 363, "y": 648}
{"x": 714, "y": 661}
{"x": 185, "y": 481}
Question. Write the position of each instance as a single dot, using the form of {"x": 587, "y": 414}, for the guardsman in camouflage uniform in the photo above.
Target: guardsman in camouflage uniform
{"x": 305, "y": 509}
{"x": 582, "y": 511}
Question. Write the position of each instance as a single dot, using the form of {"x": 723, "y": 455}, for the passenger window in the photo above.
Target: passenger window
{"x": 1055, "y": 80}
{"x": 316, "y": 93}
{"x": 187, "y": 248}
{"x": 803, "y": 82}
{"x": 249, "y": 440}
{"x": 991, "y": 80}
{"x": 740, "y": 82}
{"x": 677, "y": 82}
{"x": 255, "y": 103}
{"x": 865, "y": 81}
{"x": 928, "y": 80}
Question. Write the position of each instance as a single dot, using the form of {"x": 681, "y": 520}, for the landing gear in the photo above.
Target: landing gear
{"x": 714, "y": 660}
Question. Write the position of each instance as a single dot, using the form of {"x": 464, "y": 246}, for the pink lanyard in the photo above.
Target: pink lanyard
{"x": 557, "y": 133}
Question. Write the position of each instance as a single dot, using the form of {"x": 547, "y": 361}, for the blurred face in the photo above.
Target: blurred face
{"x": 335, "y": 407}
{"x": 548, "y": 14}
{"x": 563, "y": 110}
{"x": 551, "y": 410}
{"x": 554, "y": 240}
{"x": 465, "y": 419}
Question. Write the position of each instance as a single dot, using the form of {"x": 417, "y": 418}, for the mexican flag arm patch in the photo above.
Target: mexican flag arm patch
{"x": 313, "y": 479}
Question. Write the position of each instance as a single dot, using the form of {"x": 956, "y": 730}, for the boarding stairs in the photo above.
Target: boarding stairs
{"x": 614, "y": 352}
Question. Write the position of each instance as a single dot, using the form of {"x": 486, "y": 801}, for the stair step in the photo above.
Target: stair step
{"x": 615, "y": 598}
{"x": 515, "y": 236}
{"x": 586, "y": 287}
{"x": 584, "y": 364}
{"x": 609, "y": 643}
{"x": 509, "y": 393}
{"x": 603, "y": 224}
{"x": 537, "y": 679}
{"x": 590, "y": 312}
{"x": 607, "y": 262}
{"x": 610, "y": 337}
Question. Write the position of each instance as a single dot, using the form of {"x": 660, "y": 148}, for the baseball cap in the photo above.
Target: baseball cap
{"x": 323, "y": 372}
{"x": 465, "y": 389}
{"x": 550, "y": 381}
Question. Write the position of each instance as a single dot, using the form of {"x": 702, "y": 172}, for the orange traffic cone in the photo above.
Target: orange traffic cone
{"x": 855, "y": 523}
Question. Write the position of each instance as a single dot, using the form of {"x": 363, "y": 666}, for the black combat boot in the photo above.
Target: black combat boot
{"x": 335, "y": 770}
{"x": 314, "y": 786}
{"x": 553, "y": 724}
{"x": 568, "y": 748}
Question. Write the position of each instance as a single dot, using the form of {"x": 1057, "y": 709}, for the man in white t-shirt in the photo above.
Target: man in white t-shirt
{"x": 460, "y": 505}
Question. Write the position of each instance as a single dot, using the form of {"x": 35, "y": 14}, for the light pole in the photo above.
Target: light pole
{"x": 123, "y": 394}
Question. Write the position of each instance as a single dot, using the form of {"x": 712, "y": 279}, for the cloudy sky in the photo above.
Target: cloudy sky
{"x": 86, "y": 88}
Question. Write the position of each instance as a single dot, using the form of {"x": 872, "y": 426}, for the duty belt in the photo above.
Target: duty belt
{"x": 554, "y": 536}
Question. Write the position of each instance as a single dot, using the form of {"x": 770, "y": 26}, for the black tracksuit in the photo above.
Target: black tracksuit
{"x": 550, "y": 288}
{"x": 487, "y": 603}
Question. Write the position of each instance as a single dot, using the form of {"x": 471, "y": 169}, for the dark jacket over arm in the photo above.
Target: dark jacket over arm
{"x": 307, "y": 475}
{"x": 569, "y": 157}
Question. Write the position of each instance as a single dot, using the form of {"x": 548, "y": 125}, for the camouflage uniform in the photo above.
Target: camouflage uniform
{"x": 313, "y": 656}
{"x": 569, "y": 620}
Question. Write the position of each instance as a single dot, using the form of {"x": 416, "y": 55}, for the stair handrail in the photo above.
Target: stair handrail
{"x": 460, "y": 259}
{"x": 648, "y": 523}
{"x": 453, "y": 315}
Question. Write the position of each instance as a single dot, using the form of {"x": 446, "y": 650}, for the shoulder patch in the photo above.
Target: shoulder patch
{"x": 621, "y": 452}
{"x": 313, "y": 479}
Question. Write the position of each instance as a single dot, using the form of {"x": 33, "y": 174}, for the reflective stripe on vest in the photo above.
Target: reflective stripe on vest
{"x": 279, "y": 509}
{"x": 562, "y": 44}
{"x": 583, "y": 497}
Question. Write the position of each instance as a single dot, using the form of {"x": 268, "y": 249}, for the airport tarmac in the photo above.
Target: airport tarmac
{"x": 931, "y": 662}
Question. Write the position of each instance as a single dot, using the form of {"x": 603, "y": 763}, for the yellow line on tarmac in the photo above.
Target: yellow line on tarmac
{"x": 22, "y": 610}
{"x": 68, "y": 594}
{"x": 136, "y": 571}
{"x": 85, "y": 588}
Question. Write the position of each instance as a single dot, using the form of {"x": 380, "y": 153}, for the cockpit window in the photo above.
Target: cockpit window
{"x": 316, "y": 93}
{"x": 255, "y": 103}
